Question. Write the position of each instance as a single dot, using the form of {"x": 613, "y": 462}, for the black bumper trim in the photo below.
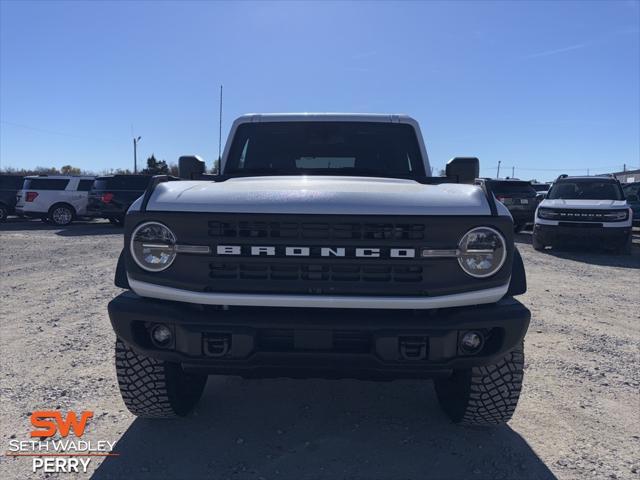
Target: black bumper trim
{"x": 548, "y": 234}
{"x": 376, "y": 335}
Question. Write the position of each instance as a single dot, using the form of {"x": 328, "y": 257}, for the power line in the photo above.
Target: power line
{"x": 53, "y": 132}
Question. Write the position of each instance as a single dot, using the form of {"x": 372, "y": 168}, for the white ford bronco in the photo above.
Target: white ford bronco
{"x": 585, "y": 210}
{"x": 323, "y": 248}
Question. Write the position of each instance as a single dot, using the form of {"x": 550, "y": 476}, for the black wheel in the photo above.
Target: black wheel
{"x": 4, "y": 213}
{"x": 483, "y": 396}
{"x": 117, "y": 221}
{"x": 61, "y": 214}
{"x": 153, "y": 388}
{"x": 536, "y": 243}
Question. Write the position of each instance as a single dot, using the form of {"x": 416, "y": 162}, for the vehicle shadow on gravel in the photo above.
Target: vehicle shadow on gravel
{"x": 318, "y": 429}
{"x": 76, "y": 229}
{"x": 589, "y": 254}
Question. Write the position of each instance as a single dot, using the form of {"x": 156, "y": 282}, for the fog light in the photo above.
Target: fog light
{"x": 471, "y": 342}
{"x": 161, "y": 335}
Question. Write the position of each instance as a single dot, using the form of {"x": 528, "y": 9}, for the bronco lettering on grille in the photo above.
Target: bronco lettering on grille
{"x": 293, "y": 251}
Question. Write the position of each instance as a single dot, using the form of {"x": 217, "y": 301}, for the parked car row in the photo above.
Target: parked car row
{"x": 60, "y": 199}
{"x": 572, "y": 208}
{"x": 586, "y": 209}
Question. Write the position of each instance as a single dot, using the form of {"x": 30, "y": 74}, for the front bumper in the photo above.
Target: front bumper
{"x": 300, "y": 342}
{"x": 583, "y": 234}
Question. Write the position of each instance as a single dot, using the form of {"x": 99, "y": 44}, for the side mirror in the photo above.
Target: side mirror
{"x": 190, "y": 166}
{"x": 464, "y": 169}
{"x": 632, "y": 198}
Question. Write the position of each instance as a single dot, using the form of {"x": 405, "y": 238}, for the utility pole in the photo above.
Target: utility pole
{"x": 498, "y": 174}
{"x": 135, "y": 153}
{"x": 513, "y": 169}
{"x": 220, "y": 131}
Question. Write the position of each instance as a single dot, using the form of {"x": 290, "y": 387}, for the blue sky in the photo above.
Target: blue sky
{"x": 546, "y": 87}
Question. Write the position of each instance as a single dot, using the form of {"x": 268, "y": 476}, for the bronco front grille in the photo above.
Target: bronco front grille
{"x": 332, "y": 254}
{"x": 584, "y": 215}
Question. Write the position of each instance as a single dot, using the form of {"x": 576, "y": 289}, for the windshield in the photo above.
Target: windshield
{"x": 513, "y": 188}
{"x": 540, "y": 187}
{"x": 585, "y": 190}
{"x": 325, "y": 148}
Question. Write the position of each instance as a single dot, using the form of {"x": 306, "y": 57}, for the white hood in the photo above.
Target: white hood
{"x": 583, "y": 204}
{"x": 318, "y": 195}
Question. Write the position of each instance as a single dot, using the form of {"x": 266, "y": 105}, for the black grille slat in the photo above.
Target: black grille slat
{"x": 317, "y": 230}
{"x": 315, "y": 272}
{"x": 583, "y": 215}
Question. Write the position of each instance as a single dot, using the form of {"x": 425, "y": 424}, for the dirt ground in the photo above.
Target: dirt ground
{"x": 578, "y": 417}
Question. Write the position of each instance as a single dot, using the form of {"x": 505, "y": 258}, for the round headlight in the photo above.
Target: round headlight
{"x": 153, "y": 246}
{"x": 482, "y": 252}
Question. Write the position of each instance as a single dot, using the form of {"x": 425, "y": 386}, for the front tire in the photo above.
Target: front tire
{"x": 483, "y": 396}
{"x": 536, "y": 243}
{"x": 153, "y": 388}
{"x": 625, "y": 249}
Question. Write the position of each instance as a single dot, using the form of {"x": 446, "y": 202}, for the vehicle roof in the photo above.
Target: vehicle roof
{"x": 584, "y": 178}
{"x": 504, "y": 180}
{"x": 326, "y": 117}
{"x": 123, "y": 175}
{"x": 64, "y": 177}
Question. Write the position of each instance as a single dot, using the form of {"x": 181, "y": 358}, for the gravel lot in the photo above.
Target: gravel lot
{"x": 578, "y": 417}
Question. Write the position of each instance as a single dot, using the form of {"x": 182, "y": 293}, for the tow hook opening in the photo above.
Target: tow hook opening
{"x": 413, "y": 348}
{"x": 216, "y": 345}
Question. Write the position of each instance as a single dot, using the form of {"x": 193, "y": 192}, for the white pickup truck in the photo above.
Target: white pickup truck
{"x": 323, "y": 248}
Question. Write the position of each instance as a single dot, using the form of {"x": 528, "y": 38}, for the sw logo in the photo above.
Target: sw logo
{"x": 50, "y": 421}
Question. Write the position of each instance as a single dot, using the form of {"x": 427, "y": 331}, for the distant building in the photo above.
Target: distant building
{"x": 628, "y": 176}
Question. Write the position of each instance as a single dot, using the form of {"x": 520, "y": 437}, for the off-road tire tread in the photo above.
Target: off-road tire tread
{"x": 495, "y": 390}
{"x": 147, "y": 388}
{"x": 490, "y": 392}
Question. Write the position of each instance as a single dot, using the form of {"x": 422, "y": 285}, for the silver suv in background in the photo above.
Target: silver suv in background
{"x": 57, "y": 199}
